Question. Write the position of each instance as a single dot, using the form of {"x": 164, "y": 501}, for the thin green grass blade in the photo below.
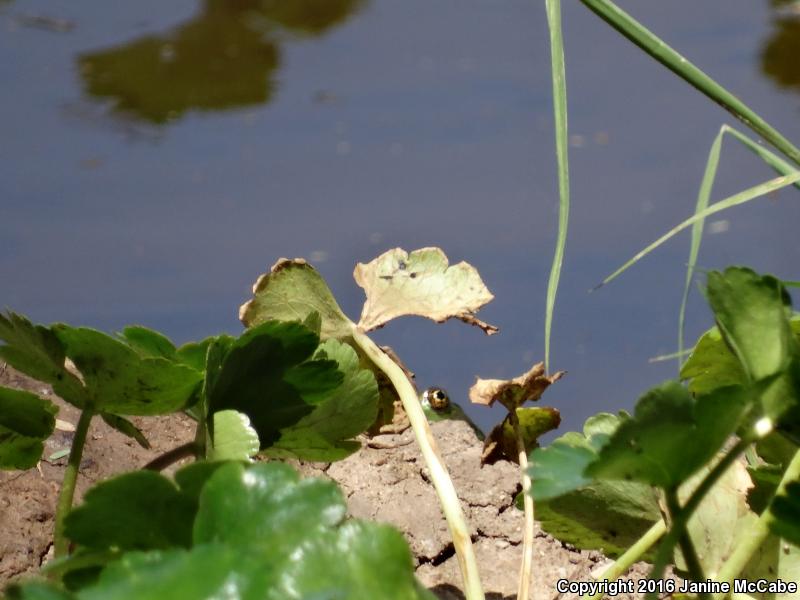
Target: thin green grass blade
{"x": 770, "y": 158}
{"x": 773, "y": 160}
{"x": 729, "y": 202}
{"x": 655, "y": 47}
{"x": 560, "y": 116}
{"x": 671, "y": 356}
{"x": 703, "y": 197}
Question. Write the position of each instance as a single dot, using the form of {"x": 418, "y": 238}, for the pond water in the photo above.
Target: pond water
{"x": 156, "y": 158}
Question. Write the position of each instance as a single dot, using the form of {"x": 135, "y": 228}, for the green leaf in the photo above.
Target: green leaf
{"x": 712, "y": 365}
{"x": 266, "y": 505}
{"x": 592, "y": 515}
{"x": 234, "y": 438}
{"x": 766, "y": 479}
{"x": 671, "y": 435}
{"x": 786, "y": 509}
{"x": 775, "y": 559}
{"x": 36, "y": 351}
{"x": 141, "y": 510}
{"x": 261, "y": 533}
{"x": 269, "y": 375}
{"x": 422, "y": 283}
{"x": 291, "y": 291}
{"x": 752, "y": 312}
{"x": 148, "y": 343}
{"x": 559, "y": 468}
{"x": 359, "y": 560}
{"x": 193, "y": 477}
{"x": 25, "y": 422}
{"x": 125, "y": 427}
{"x": 723, "y": 519}
{"x": 36, "y": 590}
{"x": 608, "y": 516}
{"x": 204, "y": 573}
{"x": 120, "y": 381}
{"x": 193, "y": 354}
{"x": 325, "y": 433}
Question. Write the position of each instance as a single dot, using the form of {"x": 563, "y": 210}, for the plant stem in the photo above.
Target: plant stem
{"x": 682, "y": 518}
{"x": 523, "y": 591}
{"x": 159, "y": 463}
{"x": 759, "y": 531}
{"x": 438, "y": 471}
{"x": 632, "y": 554}
{"x": 655, "y": 47}
{"x": 60, "y": 542}
{"x": 693, "y": 565}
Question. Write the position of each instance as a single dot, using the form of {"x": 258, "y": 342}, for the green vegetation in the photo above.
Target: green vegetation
{"x": 704, "y": 475}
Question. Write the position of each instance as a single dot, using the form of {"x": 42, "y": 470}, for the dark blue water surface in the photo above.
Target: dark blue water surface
{"x": 156, "y": 158}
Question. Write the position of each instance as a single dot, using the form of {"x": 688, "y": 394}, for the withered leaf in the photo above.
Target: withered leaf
{"x": 420, "y": 283}
{"x": 513, "y": 393}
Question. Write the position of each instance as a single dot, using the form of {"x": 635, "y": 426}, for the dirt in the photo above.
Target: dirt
{"x": 386, "y": 483}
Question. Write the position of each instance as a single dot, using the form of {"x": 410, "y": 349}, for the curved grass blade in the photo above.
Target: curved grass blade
{"x": 729, "y": 202}
{"x": 655, "y": 47}
{"x": 560, "y": 116}
{"x": 770, "y": 158}
{"x": 703, "y": 196}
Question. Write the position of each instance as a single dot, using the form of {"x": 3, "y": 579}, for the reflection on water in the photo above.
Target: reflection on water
{"x": 780, "y": 58}
{"x": 226, "y": 57}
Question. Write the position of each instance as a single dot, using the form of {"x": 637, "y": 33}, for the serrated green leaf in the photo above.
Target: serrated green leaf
{"x": 324, "y": 434}
{"x": 294, "y": 290}
{"x": 269, "y": 375}
{"x": 148, "y": 343}
{"x": 141, "y": 510}
{"x": 786, "y": 510}
{"x": 608, "y": 516}
{"x": 36, "y": 351}
{"x": 193, "y": 354}
{"x": 262, "y": 534}
{"x": 671, "y": 435}
{"x": 559, "y": 468}
{"x": 125, "y": 427}
{"x": 752, "y": 312}
{"x": 712, "y": 365}
{"x": 120, "y": 381}
{"x": 265, "y": 505}
{"x": 25, "y": 422}
{"x": 234, "y": 438}
{"x": 592, "y": 515}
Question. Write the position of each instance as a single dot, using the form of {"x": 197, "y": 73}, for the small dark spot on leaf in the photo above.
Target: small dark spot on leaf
{"x": 402, "y": 265}
{"x": 413, "y": 275}
{"x": 386, "y": 276}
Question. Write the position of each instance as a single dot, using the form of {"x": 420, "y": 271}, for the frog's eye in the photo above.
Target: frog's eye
{"x": 437, "y": 398}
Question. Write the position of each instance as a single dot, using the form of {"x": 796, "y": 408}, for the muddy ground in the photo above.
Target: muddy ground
{"x": 385, "y": 481}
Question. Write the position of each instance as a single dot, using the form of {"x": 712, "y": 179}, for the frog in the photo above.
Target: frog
{"x": 438, "y": 407}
